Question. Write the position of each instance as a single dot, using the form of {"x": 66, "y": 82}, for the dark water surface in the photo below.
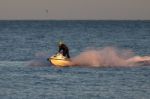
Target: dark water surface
{"x": 25, "y": 73}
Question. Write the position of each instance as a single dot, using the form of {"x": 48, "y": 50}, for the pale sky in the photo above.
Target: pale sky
{"x": 75, "y": 9}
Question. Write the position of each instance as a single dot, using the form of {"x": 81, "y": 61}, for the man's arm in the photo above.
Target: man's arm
{"x": 59, "y": 49}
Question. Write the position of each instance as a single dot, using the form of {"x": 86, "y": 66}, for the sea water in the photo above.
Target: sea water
{"x": 26, "y": 74}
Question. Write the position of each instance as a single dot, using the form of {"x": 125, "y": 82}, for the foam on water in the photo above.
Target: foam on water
{"x": 109, "y": 57}
{"x": 39, "y": 60}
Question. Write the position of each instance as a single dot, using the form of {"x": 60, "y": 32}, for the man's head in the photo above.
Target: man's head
{"x": 60, "y": 43}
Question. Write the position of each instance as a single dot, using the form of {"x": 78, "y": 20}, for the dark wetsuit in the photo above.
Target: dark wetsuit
{"x": 64, "y": 49}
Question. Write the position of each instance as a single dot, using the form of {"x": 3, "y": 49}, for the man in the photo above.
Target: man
{"x": 64, "y": 49}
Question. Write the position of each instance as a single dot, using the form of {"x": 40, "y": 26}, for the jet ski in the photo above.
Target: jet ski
{"x": 59, "y": 60}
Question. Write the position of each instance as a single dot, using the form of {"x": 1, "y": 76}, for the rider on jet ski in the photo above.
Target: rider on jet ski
{"x": 64, "y": 49}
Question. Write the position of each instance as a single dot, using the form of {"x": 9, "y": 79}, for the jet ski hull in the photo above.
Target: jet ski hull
{"x": 59, "y": 60}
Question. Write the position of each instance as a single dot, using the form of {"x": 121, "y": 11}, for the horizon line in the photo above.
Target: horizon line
{"x": 74, "y": 19}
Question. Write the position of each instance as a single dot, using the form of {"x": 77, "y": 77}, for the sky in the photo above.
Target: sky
{"x": 75, "y": 9}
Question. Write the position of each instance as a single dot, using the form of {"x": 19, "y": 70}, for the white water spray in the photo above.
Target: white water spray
{"x": 109, "y": 57}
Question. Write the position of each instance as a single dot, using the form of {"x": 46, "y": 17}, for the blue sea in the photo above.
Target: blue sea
{"x": 25, "y": 72}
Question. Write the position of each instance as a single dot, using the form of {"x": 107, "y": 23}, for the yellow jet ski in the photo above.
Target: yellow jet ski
{"x": 59, "y": 60}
